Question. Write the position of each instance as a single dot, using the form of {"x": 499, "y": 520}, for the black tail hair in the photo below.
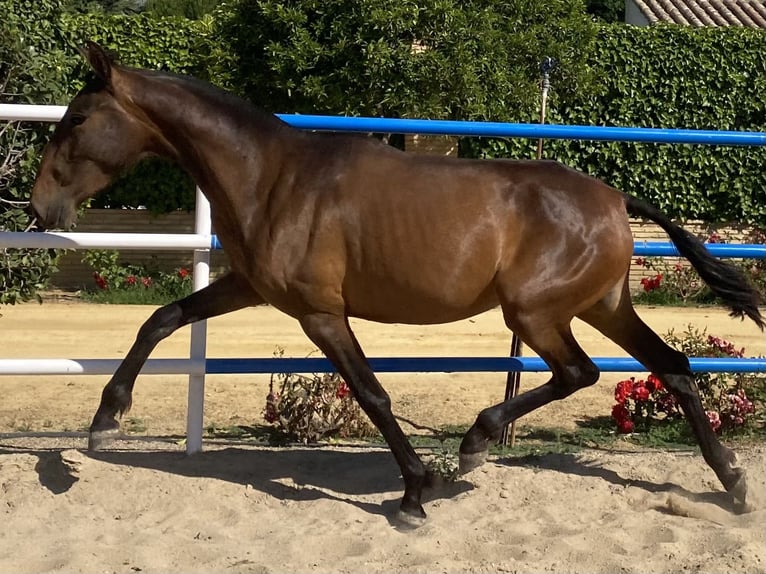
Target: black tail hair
{"x": 725, "y": 280}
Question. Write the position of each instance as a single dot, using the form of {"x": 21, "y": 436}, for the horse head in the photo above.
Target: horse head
{"x": 99, "y": 137}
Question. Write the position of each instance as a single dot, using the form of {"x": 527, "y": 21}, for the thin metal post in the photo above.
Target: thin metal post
{"x": 198, "y": 345}
{"x": 513, "y": 379}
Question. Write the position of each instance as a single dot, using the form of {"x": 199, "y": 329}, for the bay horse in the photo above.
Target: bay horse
{"x": 325, "y": 227}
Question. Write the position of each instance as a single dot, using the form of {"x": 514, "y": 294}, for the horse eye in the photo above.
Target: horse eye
{"x": 77, "y": 119}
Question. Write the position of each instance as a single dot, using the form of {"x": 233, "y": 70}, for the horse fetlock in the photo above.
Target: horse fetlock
{"x": 101, "y": 439}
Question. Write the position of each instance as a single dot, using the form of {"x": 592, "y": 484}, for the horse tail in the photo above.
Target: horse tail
{"x": 724, "y": 279}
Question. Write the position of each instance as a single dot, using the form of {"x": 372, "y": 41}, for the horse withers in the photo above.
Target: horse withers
{"x": 325, "y": 227}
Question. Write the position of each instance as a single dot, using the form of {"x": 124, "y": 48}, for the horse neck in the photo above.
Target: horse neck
{"x": 205, "y": 131}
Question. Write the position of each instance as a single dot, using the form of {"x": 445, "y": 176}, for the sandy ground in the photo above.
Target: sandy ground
{"x": 145, "y": 506}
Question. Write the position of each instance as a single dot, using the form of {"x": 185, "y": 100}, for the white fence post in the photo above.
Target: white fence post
{"x": 198, "y": 345}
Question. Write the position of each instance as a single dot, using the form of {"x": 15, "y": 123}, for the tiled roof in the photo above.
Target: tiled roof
{"x": 750, "y": 13}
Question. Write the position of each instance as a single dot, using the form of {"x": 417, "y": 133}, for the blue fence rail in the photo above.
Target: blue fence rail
{"x": 464, "y": 365}
{"x": 545, "y": 131}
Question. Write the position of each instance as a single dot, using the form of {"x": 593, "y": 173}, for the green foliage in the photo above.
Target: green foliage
{"x": 438, "y": 58}
{"x": 192, "y": 9}
{"x": 606, "y": 10}
{"x": 736, "y": 400}
{"x": 32, "y": 70}
{"x": 155, "y": 183}
{"x": 123, "y": 284}
{"x": 105, "y": 6}
{"x": 670, "y": 77}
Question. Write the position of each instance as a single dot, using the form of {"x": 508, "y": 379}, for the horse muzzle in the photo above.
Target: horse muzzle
{"x": 52, "y": 215}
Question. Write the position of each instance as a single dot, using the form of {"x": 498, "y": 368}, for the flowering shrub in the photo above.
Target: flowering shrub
{"x": 651, "y": 283}
{"x": 729, "y": 399}
{"x": 309, "y": 408}
{"x": 756, "y": 268}
{"x": 640, "y": 403}
{"x": 673, "y": 281}
{"x": 110, "y": 276}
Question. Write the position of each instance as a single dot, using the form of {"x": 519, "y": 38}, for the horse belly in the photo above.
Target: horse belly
{"x": 420, "y": 301}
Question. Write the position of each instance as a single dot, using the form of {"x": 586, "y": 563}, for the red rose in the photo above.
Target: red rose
{"x": 130, "y": 280}
{"x": 715, "y": 419}
{"x": 653, "y": 383}
{"x": 146, "y": 281}
{"x": 183, "y": 273}
{"x": 342, "y": 391}
{"x": 625, "y": 426}
{"x": 640, "y": 392}
{"x": 100, "y": 281}
{"x": 622, "y": 390}
{"x": 620, "y": 412}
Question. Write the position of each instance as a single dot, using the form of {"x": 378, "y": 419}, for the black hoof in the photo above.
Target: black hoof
{"x": 99, "y": 440}
{"x": 468, "y": 462}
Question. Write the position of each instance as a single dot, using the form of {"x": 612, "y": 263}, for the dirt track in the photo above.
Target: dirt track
{"x": 143, "y": 506}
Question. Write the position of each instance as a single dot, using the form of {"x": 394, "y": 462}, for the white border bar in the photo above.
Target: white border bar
{"x": 65, "y": 240}
{"x": 97, "y": 366}
{"x": 31, "y": 113}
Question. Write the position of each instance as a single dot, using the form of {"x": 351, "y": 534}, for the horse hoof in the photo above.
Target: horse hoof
{"x": 739, "y": 494}
{"x": 470, "y": 461}
{"x": 99, "y": 440}
{"x": 407, "y": 521}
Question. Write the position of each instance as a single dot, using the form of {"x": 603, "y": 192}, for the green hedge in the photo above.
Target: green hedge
{"x": 669, "y": 77}
{"x": 459, "y": 59}
{"x": 292, "y": 57}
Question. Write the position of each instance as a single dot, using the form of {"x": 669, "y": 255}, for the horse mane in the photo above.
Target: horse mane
{"x": 217, "y": 97}
{"x": 207, "y": 92}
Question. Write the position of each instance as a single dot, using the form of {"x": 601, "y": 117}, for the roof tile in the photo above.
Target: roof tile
{"x": 749, "y": 13}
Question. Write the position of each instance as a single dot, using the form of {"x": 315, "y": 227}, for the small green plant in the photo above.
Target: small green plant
{"x": 444, "y": 465}
{"x": 314, "y": 407}
{"x": 734, "y": 402}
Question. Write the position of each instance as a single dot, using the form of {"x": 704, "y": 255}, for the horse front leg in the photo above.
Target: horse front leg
{"x": 333, "y": 335}
{"x": 229, "y": 293}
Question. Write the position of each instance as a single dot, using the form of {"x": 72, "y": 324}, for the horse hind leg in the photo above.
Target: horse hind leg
{"x": 615, "y": 317}
{"x": 571, "y": 370}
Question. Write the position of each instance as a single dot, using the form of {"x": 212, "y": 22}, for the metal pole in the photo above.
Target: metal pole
{"x": 513, "y": 379}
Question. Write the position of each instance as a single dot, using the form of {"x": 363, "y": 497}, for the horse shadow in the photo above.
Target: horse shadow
{"x": 311, "y": 473}
{"x": 572, "y": 463}
{"x": 293, "y": 473}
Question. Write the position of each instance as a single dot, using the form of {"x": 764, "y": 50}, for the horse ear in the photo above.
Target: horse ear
{"x": 98, "y": 59}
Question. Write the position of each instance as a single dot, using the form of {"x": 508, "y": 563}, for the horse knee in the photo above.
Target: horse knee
{"x": 682, "y": 385}
{"x": 162, "y": 323}
{"x": 573, "y": 378}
